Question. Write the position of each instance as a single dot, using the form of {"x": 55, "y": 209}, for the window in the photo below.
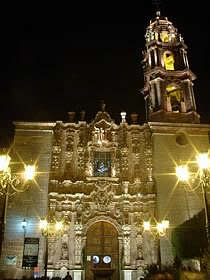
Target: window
{"x": 102, "y": 164}
{"x": 168, "y": 59}
{"x": 174, "y": 92}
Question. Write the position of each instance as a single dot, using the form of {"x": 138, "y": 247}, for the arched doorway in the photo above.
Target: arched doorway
{"x": 102, "y": 252}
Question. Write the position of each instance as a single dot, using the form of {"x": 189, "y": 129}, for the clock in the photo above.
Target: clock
{"x": 107, "y": 259}
{"x": 95, "y": 259}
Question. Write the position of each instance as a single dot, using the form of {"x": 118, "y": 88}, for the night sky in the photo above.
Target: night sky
{"x": 50, "y": 66}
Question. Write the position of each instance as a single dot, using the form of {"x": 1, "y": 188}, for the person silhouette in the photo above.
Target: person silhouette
{"x": 68, "y": 276}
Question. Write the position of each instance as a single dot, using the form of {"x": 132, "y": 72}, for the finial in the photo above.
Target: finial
{"x": 123, "y": 115}
{"x": 134, "y": 118}
{"x": 82, "y": 115}
{"x": 71, "y": 116}
{"x": 157, "y": 4}
{"x": 103, "y": 105}
{"x": 158, "y": 13}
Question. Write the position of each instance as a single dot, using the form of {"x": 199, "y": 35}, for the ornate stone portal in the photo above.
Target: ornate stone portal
{"x": 101, "y": 172}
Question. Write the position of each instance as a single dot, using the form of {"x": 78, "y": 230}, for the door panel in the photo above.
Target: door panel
{"x": 102, "y": 240}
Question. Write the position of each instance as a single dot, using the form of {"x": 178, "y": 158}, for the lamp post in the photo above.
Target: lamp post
{"x": 10, "y": 184}
{"x": 24, "y": 226}
{"x": 158, "y": 230}
{"x": 203, "y": 175}
{"x": 49, "y": 227}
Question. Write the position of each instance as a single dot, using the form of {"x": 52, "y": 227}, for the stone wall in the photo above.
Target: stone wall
{"x": 32, "y": 143}
{"x": 174, "y": 145}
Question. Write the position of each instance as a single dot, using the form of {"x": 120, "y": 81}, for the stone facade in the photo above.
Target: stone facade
{"x": 124, "y": 197}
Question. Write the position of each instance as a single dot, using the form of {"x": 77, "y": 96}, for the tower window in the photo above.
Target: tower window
{"x": 168, "y": 59}
{"x": 175, "y": 97}
{"x": 102, "y": 164}
{"x": 164, "y": 36}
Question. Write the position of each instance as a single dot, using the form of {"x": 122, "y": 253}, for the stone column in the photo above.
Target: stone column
{"x": 157, "y": 82}
{"x": 126, "y": 245}
{"x": 156, "y": 58}
{"x": 149, "y": 59}
{"x": 153, "y": 94}
{"x": 168, "y": 104}
{"x": 78, "y": 244}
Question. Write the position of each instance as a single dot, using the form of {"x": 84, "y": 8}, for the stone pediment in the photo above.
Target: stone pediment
{"x": 102, "y": 120}
{"x": 103, "y": 124}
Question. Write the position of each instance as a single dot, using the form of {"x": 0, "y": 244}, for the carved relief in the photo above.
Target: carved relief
{"x": 126, "y": 244}
{"x": 118, "y": 198}
{"x": 56, "y": 149}
{"x": 64, "y": 247}
{"x": 102, "y": 196}
{"x": 78, "y": 243}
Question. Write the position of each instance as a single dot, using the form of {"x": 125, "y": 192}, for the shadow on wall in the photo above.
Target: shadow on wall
{"x": 189, "y": 239}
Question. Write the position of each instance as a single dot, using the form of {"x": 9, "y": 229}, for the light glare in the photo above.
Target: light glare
{"x": 160, "y": 227}
{"x": 24, "y": 224}
{"x": 4, "y": 162}
{"x": 203, "y": 160}
{"x": 182, "y": 172}
{"x": 29, "y": 172}
{"x": 146, "y": 226}
{"x": 58, "y": 226}
{"x": 43, "y": 224}
{"x": 165, "y": 224}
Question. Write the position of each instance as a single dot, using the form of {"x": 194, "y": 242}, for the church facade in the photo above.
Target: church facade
{"x": 105, "y": 179}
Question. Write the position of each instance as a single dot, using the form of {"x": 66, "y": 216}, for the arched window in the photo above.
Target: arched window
{"x": 164, "y": 36}
{"x": 174, "y": 93}
{"x": 168, "y": 59}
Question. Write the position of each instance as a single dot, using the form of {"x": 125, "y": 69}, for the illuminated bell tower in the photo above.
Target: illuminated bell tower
{"x": 168, "y": 86}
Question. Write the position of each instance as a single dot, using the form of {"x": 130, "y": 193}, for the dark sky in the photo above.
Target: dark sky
{"x": 50, "y": 66}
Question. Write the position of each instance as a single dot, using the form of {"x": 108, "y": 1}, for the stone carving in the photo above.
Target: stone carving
{"x": 99, "y": 135}
{"x": 51, "y": 252}
{"x": 70, "y": 134}
{"x": 102, "y": 196}
{"x": 126, "y": 244}
{"x": 56, "y": 150}
{"x": 117, "y": 199}
{"x": 139, "y": 246}
{"x": 58, "y": 133}
{"x": 78, "y": 243}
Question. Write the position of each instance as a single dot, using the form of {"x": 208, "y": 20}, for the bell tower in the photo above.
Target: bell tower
{"x": 168, "y": 80}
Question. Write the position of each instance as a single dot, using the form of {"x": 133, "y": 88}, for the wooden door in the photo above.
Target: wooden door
{"x": 102, "y": 252}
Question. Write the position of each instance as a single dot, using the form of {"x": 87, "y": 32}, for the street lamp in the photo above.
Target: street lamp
{"x": 50, "y": 227}
{"x": 10, "y": 184}
{"x": 24, "y": 226}
{"x": 203, "y": 175}
{"x": 158, "y": 230}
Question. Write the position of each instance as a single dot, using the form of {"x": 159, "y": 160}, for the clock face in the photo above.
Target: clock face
{"x": 95, "y": 259}
{"x": 107, "y": 259}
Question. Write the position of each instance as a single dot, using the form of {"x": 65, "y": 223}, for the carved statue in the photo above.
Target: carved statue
{"x": 64, "y": 248}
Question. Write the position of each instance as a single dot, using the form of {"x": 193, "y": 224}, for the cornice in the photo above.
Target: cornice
{"x": 43, "y": 126}
{"x": 163, "y": 127}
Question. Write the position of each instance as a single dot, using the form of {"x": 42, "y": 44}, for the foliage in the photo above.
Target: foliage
{"x": 189, "y": 239}
{"x": 154, "y": 269}
{"x": 151, "y": 270}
